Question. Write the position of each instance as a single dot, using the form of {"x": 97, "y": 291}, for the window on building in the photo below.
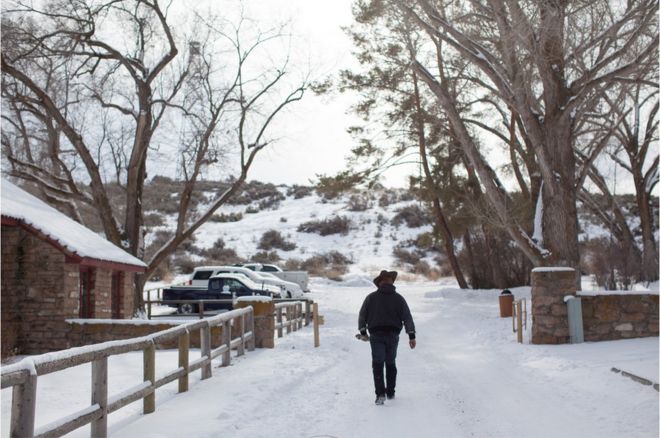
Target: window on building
{"x": 86, "y": 286}
{"x": 117, "y": 290}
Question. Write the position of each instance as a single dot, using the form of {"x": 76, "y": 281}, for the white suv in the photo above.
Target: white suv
{"x": 201, "y": 275}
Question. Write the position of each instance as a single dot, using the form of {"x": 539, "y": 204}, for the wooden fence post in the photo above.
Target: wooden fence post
{"x": 100, "y": 396}
{"x": 279, "y": 322}
{"x": 201, "y": 310}
{"x": 300, "y": 315}
{"x": 519, "y": 318}
{"x": 294, "y": 313}
{"x": 149, "y": 371}
{"x": 317, "y": 341}
{"x": 288, "y": 319}
{"x": 226, "y": 339}
{"x": 241, "y": 346}
{"x": 24, "y": 399}
{"x": 205, "y": 341}
{"x": 308, "y": 312}
{"x": 251, "y": 326}
{"x": 184, "y": 356}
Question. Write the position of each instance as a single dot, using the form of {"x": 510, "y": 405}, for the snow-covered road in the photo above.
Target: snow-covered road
{"x": 467, "y": 377}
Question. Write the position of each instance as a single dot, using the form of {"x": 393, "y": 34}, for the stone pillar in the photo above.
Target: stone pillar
{"x": 549, "y": 311}
{"x": 264, "y": 319}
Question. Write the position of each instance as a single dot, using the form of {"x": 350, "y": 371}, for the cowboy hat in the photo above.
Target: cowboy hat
{"x": 385, "y": 274}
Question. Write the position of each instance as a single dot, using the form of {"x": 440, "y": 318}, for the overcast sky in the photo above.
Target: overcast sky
{"x": 312, "y": 137}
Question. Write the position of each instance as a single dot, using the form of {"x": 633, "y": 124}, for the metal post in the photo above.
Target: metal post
{"x": 519, "y": 320}
{"x": 575, "y": 326}
{"x": 100, "y": 396}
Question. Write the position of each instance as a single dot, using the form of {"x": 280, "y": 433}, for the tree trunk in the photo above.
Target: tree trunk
{"x": 649, "y": 268}
{"x": 438, "y": 214}
{"x": 560, "y": 225}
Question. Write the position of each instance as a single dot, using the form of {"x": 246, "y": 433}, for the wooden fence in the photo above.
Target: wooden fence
{"x": 22, "y": 377}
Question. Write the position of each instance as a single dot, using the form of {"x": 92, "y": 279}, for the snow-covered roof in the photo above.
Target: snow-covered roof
{"x": 21, "y": 206}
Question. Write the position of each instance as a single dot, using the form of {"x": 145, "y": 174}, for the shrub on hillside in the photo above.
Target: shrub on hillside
{"x": 326, "y": 227}
{"x": 219, "y": 254}
{"x": 405, "y": 256}
{"x": 299, "y": 192}
{"x": 358, "y": 203}
{"x": 153, "y": 220}
{"x": 273, "y": 239}
{"x": 227, "y": 217}
{"x": 183, "y": 264}
{"x": 255, "y": 191}
{"x": 412, "y": 215}
{"x": 332, "y": 265}
{"x": 265, "y": 257}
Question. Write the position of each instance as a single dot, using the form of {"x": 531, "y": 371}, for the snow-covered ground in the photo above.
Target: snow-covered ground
{"x": 466, "y": 378}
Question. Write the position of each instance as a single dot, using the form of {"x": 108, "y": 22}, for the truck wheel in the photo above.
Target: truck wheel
{"x": 186, "y": 309}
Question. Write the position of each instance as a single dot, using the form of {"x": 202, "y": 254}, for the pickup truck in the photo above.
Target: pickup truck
{"x": 301, "y": 278}
{"x": 220, "y": 287}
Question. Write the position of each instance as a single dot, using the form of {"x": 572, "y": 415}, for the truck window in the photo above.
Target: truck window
{"x": 268, "y": 268}
{"x": 215, "y": 285}
{"x": 202, "y": 275}
{"x": 234, "y": 286}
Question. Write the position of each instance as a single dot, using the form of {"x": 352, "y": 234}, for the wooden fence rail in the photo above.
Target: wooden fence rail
{"x": 292, "y": 311}
{"x": 22, "y": 377}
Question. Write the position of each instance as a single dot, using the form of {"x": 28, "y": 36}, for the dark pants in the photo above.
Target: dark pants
{"x": 383, "y": 353}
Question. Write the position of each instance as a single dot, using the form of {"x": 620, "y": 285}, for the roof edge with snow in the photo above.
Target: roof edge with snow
{"x": 79, "y": 243}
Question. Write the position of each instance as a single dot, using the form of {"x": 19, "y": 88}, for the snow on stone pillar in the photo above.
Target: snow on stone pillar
{"x": 549, "y": 313}
{"x": 264, "y": 319}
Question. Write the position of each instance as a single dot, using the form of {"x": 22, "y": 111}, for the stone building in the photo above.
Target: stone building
{"x": 54, "y": 269}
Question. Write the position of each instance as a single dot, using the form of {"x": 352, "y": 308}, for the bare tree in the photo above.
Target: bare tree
{"x": 109, "y": 78}
{"x": 546, "y": 61}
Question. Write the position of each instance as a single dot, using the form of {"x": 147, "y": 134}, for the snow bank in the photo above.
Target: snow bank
{"x": 553, "y": 269}
{"x": 254, "y": 299}
{"x": 595, "y": 293}
{"x": 127, "y": 321}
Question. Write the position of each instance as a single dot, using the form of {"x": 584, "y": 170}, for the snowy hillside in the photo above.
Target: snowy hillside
{"x": 370, "y": 230}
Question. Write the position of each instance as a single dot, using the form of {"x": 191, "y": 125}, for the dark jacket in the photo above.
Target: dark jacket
{"x": 385, "y": 311}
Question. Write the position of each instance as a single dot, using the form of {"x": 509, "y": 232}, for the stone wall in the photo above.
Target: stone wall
{"x": 604, "y": 317}
{"x": 39, "y": 291}
{"x": 102, "y": 294}
{"x": 610, "y": 317}
{"x": 549, "y": 311}
{"x": 89, "y": 331}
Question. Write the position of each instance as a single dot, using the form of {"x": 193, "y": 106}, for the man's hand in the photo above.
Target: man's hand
{"x": 413, "y": 343}
{"x": 362, "y": 337}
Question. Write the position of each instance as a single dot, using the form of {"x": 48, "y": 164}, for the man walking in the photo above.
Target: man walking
{"x": 383, "y": 314}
